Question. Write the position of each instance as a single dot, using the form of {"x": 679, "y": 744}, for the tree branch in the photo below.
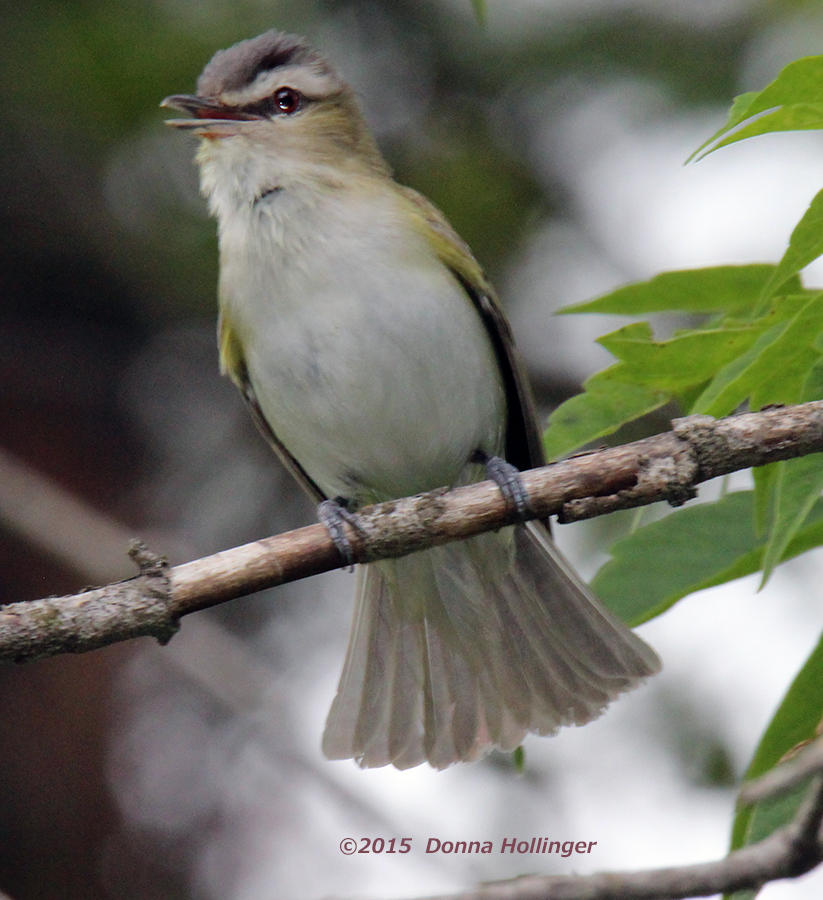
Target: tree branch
{"x": 794, "y": 768}
{"x": 667, "y": 467}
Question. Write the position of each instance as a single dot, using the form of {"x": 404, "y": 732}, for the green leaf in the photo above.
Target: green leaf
{"x": 777, "y": 364}
{"x": 689, "y": 358}
{"x": 661, "y": 562}
{"x": 609, "y": 400}
{"x": 793, "y": 355}
{"x": 768, "y": 816}
{"x": 765, "y": 478}
{"x": 799, "y": 117}
{"x": 793, "y": 100}
{"x": 718, "y": 289}
{"x": 722, "y": 365}
{"x": 796, "y": 721}
{"x": 741, "y": 105}
{"x": 691, "y": 549}
{"x": 479, "y": 7}
{"x": 732, "y": 384}
{"x": 648, "y": 375}
{"x": 813, "y": 387}
{"x": 805, "y": 246}
{"x": 795, "y": 485}
{"x": 797, "y": 488}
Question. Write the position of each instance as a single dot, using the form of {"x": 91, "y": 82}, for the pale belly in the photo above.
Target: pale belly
{"x": 379, "y": 390}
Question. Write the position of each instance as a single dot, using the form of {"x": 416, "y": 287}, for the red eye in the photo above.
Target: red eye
{"x": 287, "y": 100}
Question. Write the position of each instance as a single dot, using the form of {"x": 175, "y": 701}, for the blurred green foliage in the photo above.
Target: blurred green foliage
{"x": 85, "y": 79}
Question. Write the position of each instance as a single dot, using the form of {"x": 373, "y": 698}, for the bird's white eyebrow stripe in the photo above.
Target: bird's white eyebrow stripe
{"x": 308, "y": 81}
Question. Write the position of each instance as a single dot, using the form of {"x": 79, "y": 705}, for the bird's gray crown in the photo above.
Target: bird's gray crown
{"x": 237, "y": 67}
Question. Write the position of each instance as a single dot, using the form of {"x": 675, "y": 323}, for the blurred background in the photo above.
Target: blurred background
{"x": 554, "y": 139}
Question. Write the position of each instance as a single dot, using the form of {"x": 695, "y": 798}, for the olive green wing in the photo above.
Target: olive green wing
{"x": 233, "y": 364}
{"x": 524, "y": 448}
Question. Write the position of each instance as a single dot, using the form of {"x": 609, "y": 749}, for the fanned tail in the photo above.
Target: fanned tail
{"x": 460, "y": 649}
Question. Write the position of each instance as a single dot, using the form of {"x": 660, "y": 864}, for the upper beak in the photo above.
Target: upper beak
{"x": 209, "y": 117}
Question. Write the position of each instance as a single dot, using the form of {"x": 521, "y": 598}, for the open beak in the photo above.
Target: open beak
{"x": 208, "y": 117}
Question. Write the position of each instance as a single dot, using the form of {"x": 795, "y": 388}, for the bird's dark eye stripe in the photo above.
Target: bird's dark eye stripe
{"x": 266, "y": 107}
{"x": 271, "y": 106}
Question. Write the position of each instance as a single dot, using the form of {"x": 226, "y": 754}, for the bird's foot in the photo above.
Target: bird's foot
{"x": 335, "y": 515}
{"x": 507, "y": 478}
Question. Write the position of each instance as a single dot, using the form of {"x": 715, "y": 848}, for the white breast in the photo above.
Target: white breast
{"x": 369, "y": 360}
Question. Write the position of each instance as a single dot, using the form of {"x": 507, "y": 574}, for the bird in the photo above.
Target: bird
{"x": 376, "y": 359}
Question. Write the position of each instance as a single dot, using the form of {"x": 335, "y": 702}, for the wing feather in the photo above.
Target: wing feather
{"x": 524, "y": 448}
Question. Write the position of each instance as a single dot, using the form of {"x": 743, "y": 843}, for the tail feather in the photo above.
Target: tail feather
{"x": 406, "y": 693}
{"x": 550, "y": 685}
{"x": 452, "y": 699}
{"x": 369, "y": 711}
{"x": 463, "y": 648}
{"x": 564, "y": 683}
{"x": 439, "y": 704}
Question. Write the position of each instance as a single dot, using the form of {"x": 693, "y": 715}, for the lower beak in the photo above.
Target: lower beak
{"x": 208, "y": 116}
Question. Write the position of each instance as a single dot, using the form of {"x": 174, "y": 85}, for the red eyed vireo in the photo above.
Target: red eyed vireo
{"x": 373, "y": 354}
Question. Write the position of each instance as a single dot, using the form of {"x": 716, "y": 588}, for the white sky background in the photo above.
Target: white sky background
{"x": 728, "y": 653}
